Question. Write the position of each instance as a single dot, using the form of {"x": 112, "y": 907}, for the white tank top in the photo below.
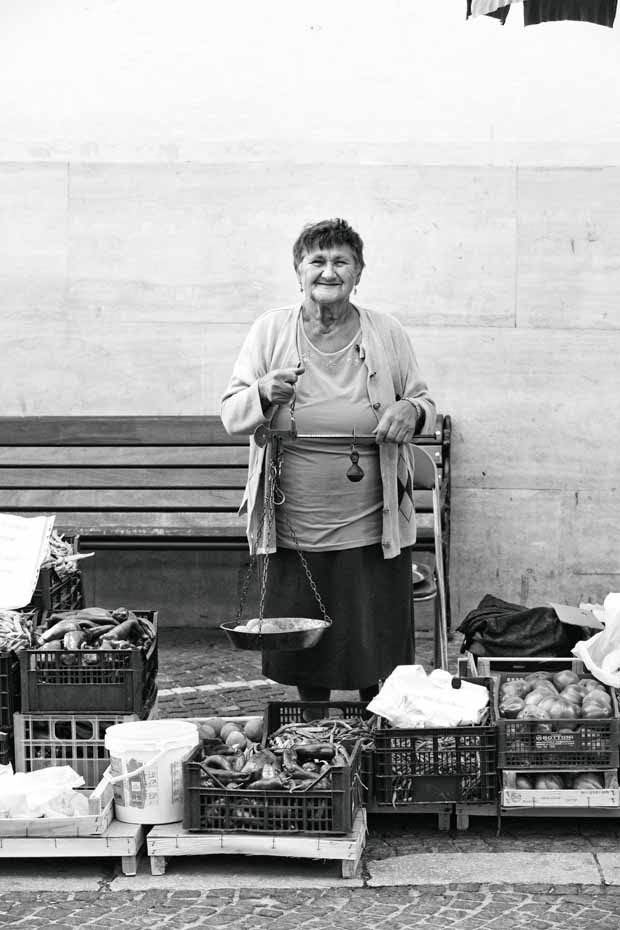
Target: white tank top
{"x": 325, "y": 508}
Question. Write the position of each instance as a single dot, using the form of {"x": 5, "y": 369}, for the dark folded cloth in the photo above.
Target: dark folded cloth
{"x": 499, "y": 628}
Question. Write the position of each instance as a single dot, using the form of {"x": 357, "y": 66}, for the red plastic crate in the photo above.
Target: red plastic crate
{"x": 98, "y": 681}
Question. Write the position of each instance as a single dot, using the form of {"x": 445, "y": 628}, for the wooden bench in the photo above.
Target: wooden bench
{"x": 145, "y": 482}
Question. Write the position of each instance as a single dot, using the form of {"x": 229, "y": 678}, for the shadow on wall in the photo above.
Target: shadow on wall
{"x": 200, "y": 588}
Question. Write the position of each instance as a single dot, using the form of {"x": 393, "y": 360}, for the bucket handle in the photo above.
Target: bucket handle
{"x": 114, "y": 779}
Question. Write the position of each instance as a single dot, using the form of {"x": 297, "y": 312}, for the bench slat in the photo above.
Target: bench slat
{"x": 145, "y": 523}
{"x": 123, "y": 431}
{"x": 95, "y": 477}
{"x": 76, "y": 456}
{"x": 56, "y": 499}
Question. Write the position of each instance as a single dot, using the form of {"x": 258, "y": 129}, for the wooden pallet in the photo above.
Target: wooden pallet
{"x": 124, "y": 840}
{"x": 172, "y": 840}
{"x": 443, "y": 811}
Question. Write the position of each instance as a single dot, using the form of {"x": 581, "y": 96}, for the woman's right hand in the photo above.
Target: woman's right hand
{"x": 278, "y": 386}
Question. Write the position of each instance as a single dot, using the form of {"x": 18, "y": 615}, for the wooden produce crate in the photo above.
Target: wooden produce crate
{"x": 607, "y": 797}
{"x": 435, "y": 765}
{"x": 122, "y": 681}
{"x": 557, "y": 744}
{"x": 96, "y": 822}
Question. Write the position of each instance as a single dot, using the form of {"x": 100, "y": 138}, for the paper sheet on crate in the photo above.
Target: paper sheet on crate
{"x": 24, "y": 543}
{"x": 577, "y": 616}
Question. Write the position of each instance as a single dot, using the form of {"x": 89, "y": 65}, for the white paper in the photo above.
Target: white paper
{"x": 24, "y": 543}
{"x": 577, "y": 616}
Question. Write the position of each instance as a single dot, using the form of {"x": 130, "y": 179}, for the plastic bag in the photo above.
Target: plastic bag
{"x": 601, "y": 653}
{"x": 45, "y": 793}
{"x": 410, "y": 698}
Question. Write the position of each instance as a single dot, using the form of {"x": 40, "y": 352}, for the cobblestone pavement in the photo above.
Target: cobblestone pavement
{"x": 201, "y": 675}
{"x": 486, "y": 908}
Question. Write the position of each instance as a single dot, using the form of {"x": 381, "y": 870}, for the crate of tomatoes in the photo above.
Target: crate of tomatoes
{"x": 556, "y": 720}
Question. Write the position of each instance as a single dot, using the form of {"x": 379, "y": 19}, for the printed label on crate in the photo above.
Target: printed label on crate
{"x": 176, "y": 781}
{"x": 555, "y": 740}
{"x": 548, "y": 797}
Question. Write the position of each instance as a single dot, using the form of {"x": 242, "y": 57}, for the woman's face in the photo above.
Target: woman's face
{"x": 328, "y": 275}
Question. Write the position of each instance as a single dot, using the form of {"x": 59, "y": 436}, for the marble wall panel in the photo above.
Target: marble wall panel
{"x": 213, "y": 243}
{"x": 531, "y": 408}
{"x": 33, "y": 243}
{"x": 506, "y": 543}
{"x": 569, "y": 248}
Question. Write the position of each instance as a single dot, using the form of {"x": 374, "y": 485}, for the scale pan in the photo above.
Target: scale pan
{"x": 282, "y": 634}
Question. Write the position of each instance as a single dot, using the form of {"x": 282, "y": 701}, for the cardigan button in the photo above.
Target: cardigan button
{"x": 376, "y": 405}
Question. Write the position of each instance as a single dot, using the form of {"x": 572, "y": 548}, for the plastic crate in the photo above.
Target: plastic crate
{"x": 319, "y": 810}
{"x": 101, "y": 681}
{"x": 524, "y": 666}
{"x": 279, "y": 713}
{"x": 434, "y": 765}
{"x": 77, "y": 740}
{"x": 10, "y": 695}
{"x": 6, "y": 747}
{"x": 582, "y": 743}
{"x": 55, "y": 593}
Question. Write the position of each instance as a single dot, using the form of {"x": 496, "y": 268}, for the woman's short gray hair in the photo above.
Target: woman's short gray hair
{"x": 327, "y": 234}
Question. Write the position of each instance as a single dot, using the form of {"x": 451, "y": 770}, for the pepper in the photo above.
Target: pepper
{"x": 128, "y": 630}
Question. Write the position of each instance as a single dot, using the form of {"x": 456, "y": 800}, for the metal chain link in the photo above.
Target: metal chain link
{"x": 275, "y": 498}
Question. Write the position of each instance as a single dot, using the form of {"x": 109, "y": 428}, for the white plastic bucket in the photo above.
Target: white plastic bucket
{"x": 146, "y": 768}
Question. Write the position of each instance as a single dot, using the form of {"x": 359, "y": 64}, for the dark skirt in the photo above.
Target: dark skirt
{"x": 370, "y": 602}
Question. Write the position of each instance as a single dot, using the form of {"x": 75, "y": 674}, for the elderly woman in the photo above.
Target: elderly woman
{"x": 345, "y": 368}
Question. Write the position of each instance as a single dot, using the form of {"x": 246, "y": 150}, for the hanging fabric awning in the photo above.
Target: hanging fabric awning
{"x": 484, "y": 7}
{"x": 600, "y": 12}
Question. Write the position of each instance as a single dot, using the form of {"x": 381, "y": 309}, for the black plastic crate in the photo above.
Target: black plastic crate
{"x": 435, "y": 765}
{"x": 6, "y": 747}
{"x": 279, "y": 713}
{"x": 55, "y": 593}
{"x": 571, "y": 743}
{"x": 10, "y": 696}
{"x": 99, "y": 681}
{"x": 319, "y": 810}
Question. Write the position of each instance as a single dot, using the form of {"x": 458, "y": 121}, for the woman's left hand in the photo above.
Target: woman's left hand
{"x": 398, "y": 423}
